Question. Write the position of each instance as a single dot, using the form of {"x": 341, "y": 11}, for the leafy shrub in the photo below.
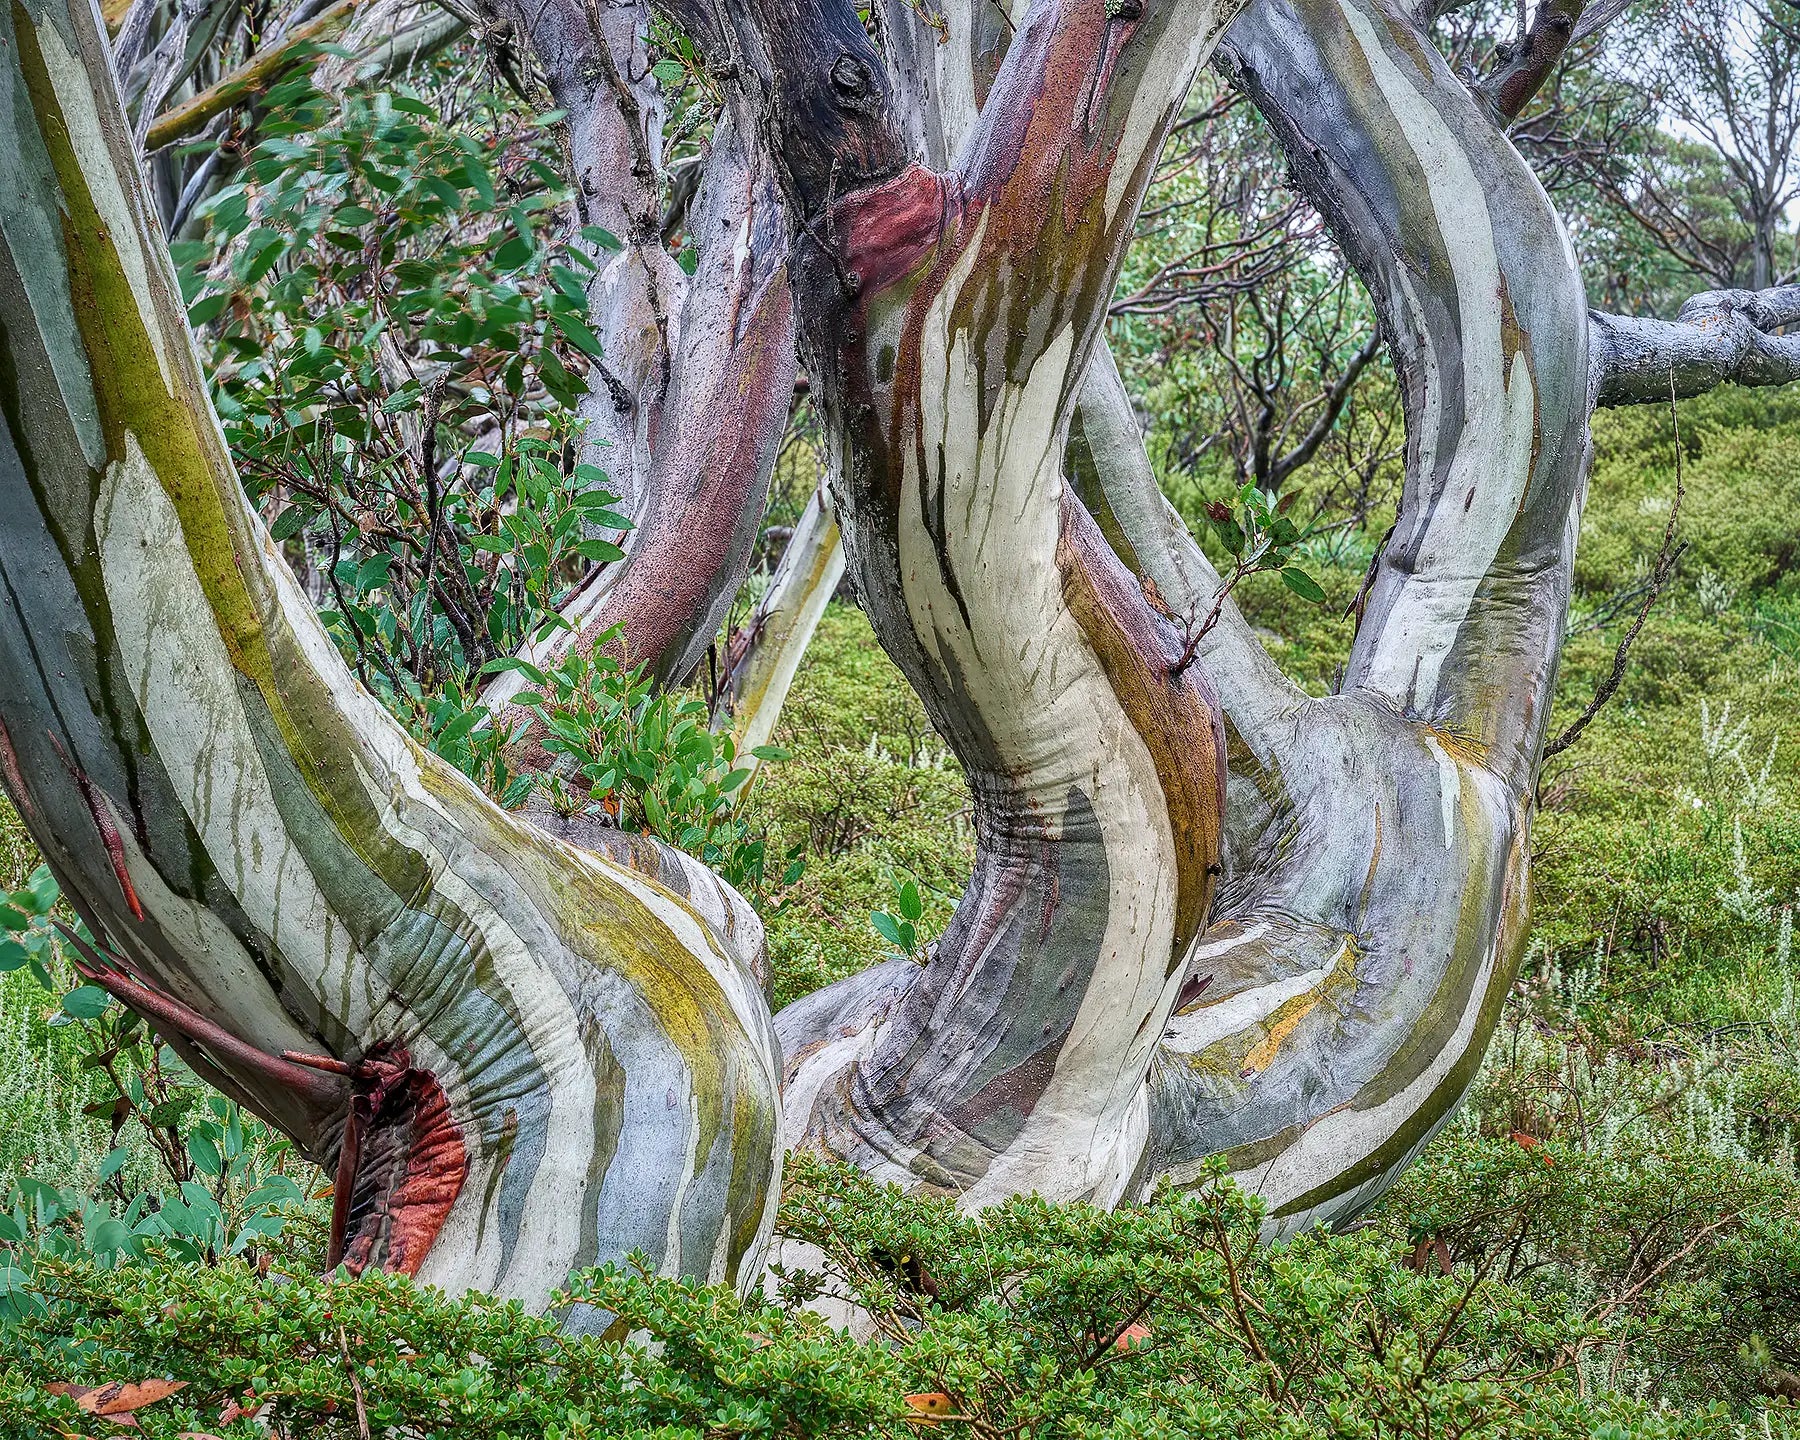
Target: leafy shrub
{"x": 1032, "y": 1320}
{"x": 647, "y": 760}
{"x": 394, "y": 350}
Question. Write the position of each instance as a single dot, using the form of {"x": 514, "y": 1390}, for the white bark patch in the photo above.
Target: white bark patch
{"x": 186, "y": 689}
{"x": 1449, "y": 787}
{"x": 811, "y": 568}
{"x": 672, "y": 1257}
{"x": 1195, "y": 1032}
{"x": 955, "y": 87}
{"x": 73, "y": 85}
{"x": 1491, "y": 465}
{"x": 1051, "y": 710}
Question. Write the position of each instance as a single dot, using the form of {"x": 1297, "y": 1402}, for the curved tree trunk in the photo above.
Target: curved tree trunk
{"x": 524, "y": 1058}
{"x": 947, "y": 330}
{"x": 1376, "y": 885}
{"x": 689, "y": 399}
{"x": 1377, "y": 889}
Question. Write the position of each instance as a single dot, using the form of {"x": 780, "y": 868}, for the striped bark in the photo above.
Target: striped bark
{"x": 1376, "y": 869}
{"x": 1376, "y": 894}
{"x": 942, "y": 60}
{"x": 520, "y": 1057}
{"x": 689, "y": 399}
{"x": 946, "y": 330}
{"x": 765, "y": 656}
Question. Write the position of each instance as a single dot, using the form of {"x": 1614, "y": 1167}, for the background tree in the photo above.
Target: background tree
{"x": 1714, "y": 184}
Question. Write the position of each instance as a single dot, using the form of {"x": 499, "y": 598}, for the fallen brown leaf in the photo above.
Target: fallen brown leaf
{"x": 120, "y": 1401}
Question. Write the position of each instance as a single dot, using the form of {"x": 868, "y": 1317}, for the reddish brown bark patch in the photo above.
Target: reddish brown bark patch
{"x": 401, "y": 1165}
{"x": 1172, "y": 708}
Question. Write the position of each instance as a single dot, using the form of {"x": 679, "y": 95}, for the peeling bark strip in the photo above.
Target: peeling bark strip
{"x": 948, "y": 318}
{"x": 544, "y": 1058}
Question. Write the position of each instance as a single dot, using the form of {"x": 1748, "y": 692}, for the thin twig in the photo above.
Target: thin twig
{"x": 1667, "y": 559}
{"x": 362, "y": 1414}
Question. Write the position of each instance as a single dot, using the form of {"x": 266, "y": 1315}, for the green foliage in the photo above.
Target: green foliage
{"x": 648, "y": 760}
{"x": 396, "y": 347}
{"x": 870, "y": 793}
{"x": 194, "y": 1223}
{"x": 1031, "y": 1320}
{"x": 1255, "y": 531}
{"x": 901, "y": 927}
{"x": 26, "y": 939}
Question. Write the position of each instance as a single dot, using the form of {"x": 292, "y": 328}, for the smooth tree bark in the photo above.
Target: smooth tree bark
{"x": 518, "y": 1057}
{"x": 1376, "y": 898}
{"x": 946, "y": 320}
{"x": 764, "y": 655}
{"x": 1334, "y": 1014}
{"x": 689, "y": 399}
{"x": 1376, "y": 871}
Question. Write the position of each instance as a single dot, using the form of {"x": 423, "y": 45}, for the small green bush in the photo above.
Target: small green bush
{"x": 1169, "y": 1320}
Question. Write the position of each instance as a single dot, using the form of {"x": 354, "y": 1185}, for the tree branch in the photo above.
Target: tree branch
{"x": 1529, "y": 61}
{"x": 1335, "y": 400}
{"x": 1667, "y": 558}
{"x": 249, "y": 80}
{"x": 1720, "y": 336}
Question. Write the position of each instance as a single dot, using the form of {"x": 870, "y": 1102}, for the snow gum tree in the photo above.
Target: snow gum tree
{"x": 1210, "y": 914}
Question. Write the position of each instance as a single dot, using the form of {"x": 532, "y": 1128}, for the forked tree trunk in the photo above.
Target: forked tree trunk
{"x": 1375, "y": 895}
{"x": 523, "y": 1058}
{"x": 689, "y": 399}
{"x": 1375, "y": 889}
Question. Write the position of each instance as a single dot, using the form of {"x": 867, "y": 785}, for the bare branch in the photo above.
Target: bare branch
{"x": 1595, "y": 18}
{"x": 1529, "y": 62}
{"x": 1720, "y": 336}
{"x": 1335, "y": 399}
{"x": 1667, "y": 558}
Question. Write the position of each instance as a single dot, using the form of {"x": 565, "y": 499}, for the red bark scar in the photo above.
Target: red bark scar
{"x": 889, "y": 230}
{"x": 401, "y": 1164}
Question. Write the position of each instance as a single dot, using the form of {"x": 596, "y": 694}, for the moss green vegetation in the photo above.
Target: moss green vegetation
{"x": 1604, "y": 1243}
{"x": 874, "y": 796}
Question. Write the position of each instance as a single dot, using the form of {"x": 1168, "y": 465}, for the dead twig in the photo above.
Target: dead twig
{"x": 1667, "y": 558}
